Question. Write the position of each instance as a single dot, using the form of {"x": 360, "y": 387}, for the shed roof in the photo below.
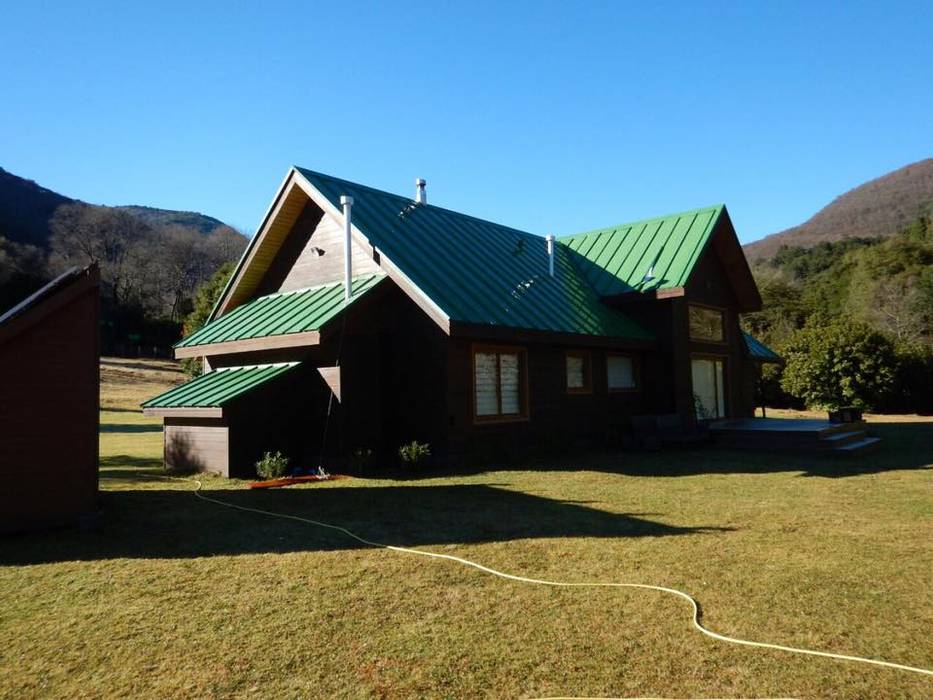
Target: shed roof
{"x": 214, "y": 389}
{"x": 758, "y": 350}
{"x": 283, "y": 313}
{"x": 648, "y": 255}
{"x": 476, "y": 271}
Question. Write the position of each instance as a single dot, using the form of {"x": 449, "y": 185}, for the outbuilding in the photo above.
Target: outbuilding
{"x": 49, "y": 404}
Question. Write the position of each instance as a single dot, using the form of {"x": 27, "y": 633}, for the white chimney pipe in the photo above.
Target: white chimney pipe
{"x": 550, "y": 253}
{"x": 421, "y": 194}
{"x": 347, "y": 203}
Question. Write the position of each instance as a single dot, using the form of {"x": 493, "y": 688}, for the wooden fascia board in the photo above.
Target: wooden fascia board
{"x": 666, "y": 293}
{"x": 518, "y": 335}
{"x": 424, "y": 302}
{"x": 182, "y": 412}
{"x": 271, "y": 342}
{"x": 280, "y": 197}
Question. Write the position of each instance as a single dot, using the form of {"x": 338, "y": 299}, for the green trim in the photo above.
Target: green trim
{"x": 297, "y": 311}
{"x": 617, "y": 260}
{"x": 216, "y": 388}
{"x": 759, "y": 351}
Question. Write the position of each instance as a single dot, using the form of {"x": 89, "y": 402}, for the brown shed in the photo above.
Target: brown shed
{"x": 49, "y": 399}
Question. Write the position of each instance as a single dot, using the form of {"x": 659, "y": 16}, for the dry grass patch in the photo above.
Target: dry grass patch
{"x": 174, "y": 597}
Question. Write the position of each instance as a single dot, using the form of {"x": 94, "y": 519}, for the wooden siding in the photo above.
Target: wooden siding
{"x": 201, "y": 444}
{"x": 557, "y": 420}
{"x": 49, "y": 387}
{"x": 276, "y": 227}
{"x": 312, "y": 268}
{"x": 710, "y": 285}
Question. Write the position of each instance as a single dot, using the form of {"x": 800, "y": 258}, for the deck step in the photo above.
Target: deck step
{"x": 859, "y": 447}
{"x": 836, "y": 440}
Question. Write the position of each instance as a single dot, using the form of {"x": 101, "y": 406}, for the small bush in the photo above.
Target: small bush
{"x": 272, "y": 466}
{"x": 414, "y": 454}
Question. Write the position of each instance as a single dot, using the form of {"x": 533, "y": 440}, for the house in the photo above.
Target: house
{"x": 358, "y": 320}
{"x": 49, "y": 394}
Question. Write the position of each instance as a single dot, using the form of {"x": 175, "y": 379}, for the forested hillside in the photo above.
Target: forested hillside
{"x": 151, "y": 260}
{"x": 880, "y": 207}
{"x": 879, "y": 285}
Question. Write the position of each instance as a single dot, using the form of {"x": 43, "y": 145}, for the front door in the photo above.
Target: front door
{"x": 708, "y": 391}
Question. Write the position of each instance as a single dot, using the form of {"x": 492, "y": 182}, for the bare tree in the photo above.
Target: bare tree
{"x": 116, "y": 240}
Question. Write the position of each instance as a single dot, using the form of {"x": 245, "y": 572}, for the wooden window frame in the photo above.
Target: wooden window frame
{"x": 587, "y": 358}
{"x": 522, "y": 353}
{"x": 726, "y": 403}
{"x": 636, "y": 373}
{"x": 722, "y": 316}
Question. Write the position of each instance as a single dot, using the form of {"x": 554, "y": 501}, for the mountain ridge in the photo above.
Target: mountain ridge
{"x": 877, "y": 208}
{"x": 26, "y": 208}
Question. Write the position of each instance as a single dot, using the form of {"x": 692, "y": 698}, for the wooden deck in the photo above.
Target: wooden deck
{"x": 794, "y": 435}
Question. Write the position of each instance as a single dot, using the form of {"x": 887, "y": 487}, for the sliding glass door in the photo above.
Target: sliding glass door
{"x": 708, "y": 390}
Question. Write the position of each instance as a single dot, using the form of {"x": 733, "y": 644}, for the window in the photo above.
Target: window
{"x": 708, "y": 394}
{"x": 499, "y": 383}
{"x": 620, "y": 372}
{"x": 706, "y": 324}
{"x": 578, "y": 373}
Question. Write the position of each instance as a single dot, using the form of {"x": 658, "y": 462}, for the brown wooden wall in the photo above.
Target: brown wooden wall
{"x": 313, "y": 254}
{"x": 556, "y": 419}
{"x": 49, "y": 393}
{"x": 709, "y": 285}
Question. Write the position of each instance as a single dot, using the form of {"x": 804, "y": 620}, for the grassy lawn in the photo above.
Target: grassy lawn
{"x": 174, "y": 597}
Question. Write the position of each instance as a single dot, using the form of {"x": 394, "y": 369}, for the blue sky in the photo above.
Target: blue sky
{"x": 549, "y": 117}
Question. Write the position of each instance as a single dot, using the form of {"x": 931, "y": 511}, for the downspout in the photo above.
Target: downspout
{"x": 347, "y": 203}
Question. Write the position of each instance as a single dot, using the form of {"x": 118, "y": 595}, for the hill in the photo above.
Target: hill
{"x": 26, "y": 209}
{"x": 878, "y": 208}
{"x": 169, "y": 217}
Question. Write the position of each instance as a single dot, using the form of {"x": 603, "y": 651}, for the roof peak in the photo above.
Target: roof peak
{"x": 410, "y": 201}
{"x": 629, "y": 224}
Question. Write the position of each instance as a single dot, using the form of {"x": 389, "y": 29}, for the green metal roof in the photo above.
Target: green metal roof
{"x": 216, "y": 388}
{"x": 758, "y": 350}
{"x": 476, "y": 271}
{"x": 297, "y": 311}
{"x": 645, "y": 255}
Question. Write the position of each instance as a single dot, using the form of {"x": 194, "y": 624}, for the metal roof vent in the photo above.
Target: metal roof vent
{"x": 550, "y": 253}
{"x": 421, "y": 194}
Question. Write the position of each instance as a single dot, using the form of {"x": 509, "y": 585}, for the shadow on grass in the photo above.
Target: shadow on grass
{"x": 175, "y": 524}
{"x": 904, "y": 446}
{"x": 129, "y": 428}
{"x": 115, "y": 463}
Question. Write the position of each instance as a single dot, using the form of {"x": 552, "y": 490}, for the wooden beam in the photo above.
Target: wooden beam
{"x": 518, "y": 335}
{"x": 271, "y": 342}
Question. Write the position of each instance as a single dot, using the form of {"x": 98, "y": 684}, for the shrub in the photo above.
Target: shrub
{"x": 414, "y": 454}
{"x": 272, "y": 466}
{"x": 840, "y": 363}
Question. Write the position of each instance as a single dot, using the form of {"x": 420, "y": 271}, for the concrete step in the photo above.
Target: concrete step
{"x": 835, "y": 440}
{"x": 859, "y": 447}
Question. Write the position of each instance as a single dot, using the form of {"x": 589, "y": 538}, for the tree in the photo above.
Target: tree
{"x": 204, "y": 302}
{"x": 840, "y": 363}
{"x": 117, "y": 241}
